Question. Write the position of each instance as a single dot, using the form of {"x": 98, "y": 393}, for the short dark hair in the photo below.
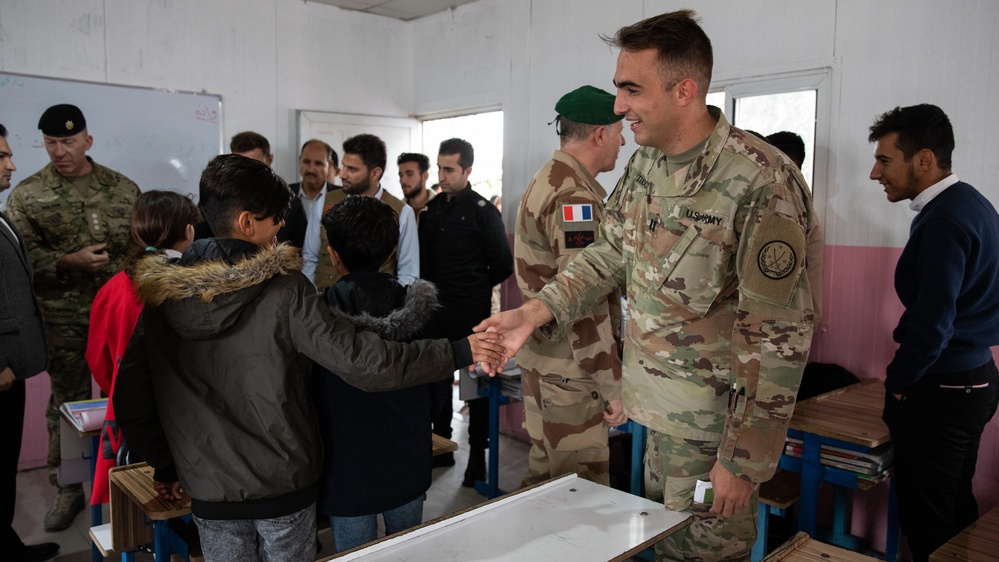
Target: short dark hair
{"x": 683, "y": 47}
{"x": 3, "y": 131}
{"x": 421, "y": 160}
{"x": 570, "y": 131}
{"x": 370, "y": 148}
{"x": 159, "y": 220}
{"x": 249, "y": 140}
{"x": 918, "y": 127}
{"x": 231, "y": 184}
{"x": 363, "y": 231}
{"x": 330, "y": 153}
{"x": 463, "y": 148}
{"x": 789, "y": 143}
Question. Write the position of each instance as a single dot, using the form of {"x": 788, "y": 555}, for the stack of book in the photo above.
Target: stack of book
{"x": 870, "y": 463}
{"x": 85, "y": 415}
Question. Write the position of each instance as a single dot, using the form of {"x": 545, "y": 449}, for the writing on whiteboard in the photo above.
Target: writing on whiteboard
{"x": 11, "y": 82}
{"x": 205, "y": 113}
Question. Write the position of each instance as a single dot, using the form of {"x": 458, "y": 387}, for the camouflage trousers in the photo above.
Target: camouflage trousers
{"x": 672, "y": 468}
{"x": 70, "y": 377}
{"x": 564, "y": 418}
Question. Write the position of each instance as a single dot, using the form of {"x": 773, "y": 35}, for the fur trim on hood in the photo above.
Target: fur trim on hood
{"x": 157, "y": 280}
{"x": 409, "y": 320}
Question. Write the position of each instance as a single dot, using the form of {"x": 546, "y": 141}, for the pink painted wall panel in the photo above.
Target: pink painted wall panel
{"x": 860, "y": 312}
{"x": 35, "y": 437}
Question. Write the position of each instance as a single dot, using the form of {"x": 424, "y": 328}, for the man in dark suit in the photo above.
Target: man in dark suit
{"x": 22, "y": 355}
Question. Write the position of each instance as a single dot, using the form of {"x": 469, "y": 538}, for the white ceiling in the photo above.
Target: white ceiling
{"x": 401, "y": 9}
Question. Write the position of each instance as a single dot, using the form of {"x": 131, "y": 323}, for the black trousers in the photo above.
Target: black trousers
{"x": 936, "y": 428}
{"x": 441, "y": 410}
{"x": 478, "y": 424}
{"x": 12, "y": 422}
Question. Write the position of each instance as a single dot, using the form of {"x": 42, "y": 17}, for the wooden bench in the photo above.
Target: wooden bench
{"x": 801, "y": 548}
{"x": 978, "y": 543}
{"x": 776, "y": 496}
{"x": 443, "y": 445}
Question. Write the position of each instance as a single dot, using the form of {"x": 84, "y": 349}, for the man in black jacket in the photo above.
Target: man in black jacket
{"x": 464, "y": 250}
{"x": 22, "y": 355}
{"x": 214, "y": 388}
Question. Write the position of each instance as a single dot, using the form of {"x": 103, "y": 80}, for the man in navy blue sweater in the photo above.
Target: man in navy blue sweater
{"x": 942, "y": 384}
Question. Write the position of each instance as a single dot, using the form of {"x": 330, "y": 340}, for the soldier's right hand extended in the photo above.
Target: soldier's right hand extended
{"x": 89, "y": 258}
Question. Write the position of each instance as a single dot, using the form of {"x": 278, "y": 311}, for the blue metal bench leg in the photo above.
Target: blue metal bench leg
{"x": 762, "y": 530}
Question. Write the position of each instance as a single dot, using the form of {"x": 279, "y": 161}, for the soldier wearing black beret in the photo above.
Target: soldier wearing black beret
{"x": 74, "y": 217}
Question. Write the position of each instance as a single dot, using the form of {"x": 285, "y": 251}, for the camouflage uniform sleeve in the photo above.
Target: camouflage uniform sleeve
{"x": 592, "y": 274}
{"x": 44, "y": 257}
{"x": 772, "y": 332}
{"x": 593, "y": 338}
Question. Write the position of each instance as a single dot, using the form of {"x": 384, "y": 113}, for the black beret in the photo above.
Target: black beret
{"x": 62, "y": 120}
{"x": 589, "y": 105}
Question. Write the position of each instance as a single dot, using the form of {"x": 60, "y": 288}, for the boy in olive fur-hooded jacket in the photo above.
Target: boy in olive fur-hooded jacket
{"x": 214, "y": 389}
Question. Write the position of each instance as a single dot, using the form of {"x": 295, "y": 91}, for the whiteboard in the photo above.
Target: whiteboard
{"x": 399, "y": 133}
{"x": 158, "y": 139}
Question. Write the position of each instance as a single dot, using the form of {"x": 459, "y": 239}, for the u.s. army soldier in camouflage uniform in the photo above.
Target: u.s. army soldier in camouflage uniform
{"x": 572, "y": 387}
{"x": 74, "y": 216}
{"x": 707, "y": 229}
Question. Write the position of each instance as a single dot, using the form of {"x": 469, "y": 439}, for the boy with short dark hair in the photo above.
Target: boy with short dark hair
{"x": 377, "y": 445}
{"x": 214, "y": 389}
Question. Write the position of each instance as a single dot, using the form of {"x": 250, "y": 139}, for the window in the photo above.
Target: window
{"x": 791, "y": 102}
{"x": 485, "y": 132}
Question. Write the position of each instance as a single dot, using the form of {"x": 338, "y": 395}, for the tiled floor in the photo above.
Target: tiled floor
{"x": 446, "y": 495}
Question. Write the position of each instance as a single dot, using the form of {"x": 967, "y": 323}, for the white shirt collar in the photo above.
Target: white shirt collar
{"x": 171, "y": 253}
{"x": 928, "y": 194}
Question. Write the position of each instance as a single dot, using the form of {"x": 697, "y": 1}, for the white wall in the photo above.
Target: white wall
{"x": 266, "y": 58}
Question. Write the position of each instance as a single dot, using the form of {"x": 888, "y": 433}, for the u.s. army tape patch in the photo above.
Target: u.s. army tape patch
{"x": 773, "y": 263}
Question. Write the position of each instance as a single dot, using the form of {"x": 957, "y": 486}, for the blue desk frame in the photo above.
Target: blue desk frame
{"x": 490, "y": 488}
{"x": 814, "y": 474}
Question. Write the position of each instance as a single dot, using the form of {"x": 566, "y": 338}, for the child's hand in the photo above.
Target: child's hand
{"x": 170, "y": 490}
{"x": 487, "y": 350}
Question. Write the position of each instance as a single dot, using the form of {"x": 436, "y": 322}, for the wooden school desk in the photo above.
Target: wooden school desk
{"x": 848, "y": 418}
{"x": 566, "y": 518}
{"x": 978, "y": 543}
{"x": 133, "y": 500}
{"x": 801, "y": 548}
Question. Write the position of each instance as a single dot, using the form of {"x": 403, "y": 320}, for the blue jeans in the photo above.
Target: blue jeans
{"x": 349, "y": 532}
{"x": 291, "y": 538}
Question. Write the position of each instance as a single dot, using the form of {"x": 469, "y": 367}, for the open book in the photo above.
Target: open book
{"x": 85, "y": 415}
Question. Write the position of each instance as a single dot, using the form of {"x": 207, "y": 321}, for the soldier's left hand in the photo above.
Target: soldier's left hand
{"x": 731, "y": 492}
{"x": 614, "y": 413}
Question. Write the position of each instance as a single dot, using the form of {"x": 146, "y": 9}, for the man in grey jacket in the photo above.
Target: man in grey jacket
{"x": 22, "y": 355}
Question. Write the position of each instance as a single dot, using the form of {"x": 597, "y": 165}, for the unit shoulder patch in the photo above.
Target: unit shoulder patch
{"x": 773, "y": 263}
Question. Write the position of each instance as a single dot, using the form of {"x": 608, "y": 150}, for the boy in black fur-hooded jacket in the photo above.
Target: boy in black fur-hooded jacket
{"x": 377, "y": 446}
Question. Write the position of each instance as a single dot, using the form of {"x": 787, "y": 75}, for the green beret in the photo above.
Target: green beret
{"x": 63, "y": 120}
{"x": 589, "y": 105}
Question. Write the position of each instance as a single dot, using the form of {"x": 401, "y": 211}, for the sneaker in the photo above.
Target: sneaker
{"x": 68, "y": 504}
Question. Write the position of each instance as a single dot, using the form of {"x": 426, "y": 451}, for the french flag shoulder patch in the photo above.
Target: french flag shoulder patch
{"x": 577, "y": 213}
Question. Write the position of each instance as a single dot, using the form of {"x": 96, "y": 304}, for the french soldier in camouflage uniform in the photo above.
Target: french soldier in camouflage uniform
{"x": 572, "y": 387}
{"x": 74, "y": 217}
{"x": 707, "y": 230}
